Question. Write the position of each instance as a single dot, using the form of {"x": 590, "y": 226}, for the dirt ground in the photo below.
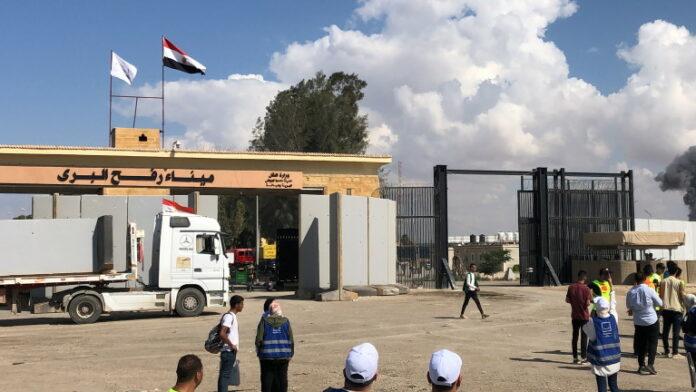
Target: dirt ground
{"x": 524, "y": 346}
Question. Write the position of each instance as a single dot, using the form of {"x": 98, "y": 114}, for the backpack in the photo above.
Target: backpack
{"x": 214, "y": 344}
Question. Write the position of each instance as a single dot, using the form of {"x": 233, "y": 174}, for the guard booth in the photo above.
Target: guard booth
{"x": 623, "y": 252}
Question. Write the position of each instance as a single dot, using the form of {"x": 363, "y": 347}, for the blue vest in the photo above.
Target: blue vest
{"x": 276, "y": 342}
{"x": 606, "y": 349}
{"x": 690, "y": 343}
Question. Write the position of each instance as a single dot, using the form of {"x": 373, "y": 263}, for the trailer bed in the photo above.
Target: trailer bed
{"x": 65, "y": 279}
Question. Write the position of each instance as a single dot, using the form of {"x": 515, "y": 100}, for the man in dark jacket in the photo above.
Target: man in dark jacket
{"x": 274, "y": 347}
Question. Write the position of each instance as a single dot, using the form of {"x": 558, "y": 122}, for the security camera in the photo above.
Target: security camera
{"x": 176, "y": 145}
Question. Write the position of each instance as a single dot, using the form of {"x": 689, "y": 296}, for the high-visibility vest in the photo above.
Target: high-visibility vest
{"x": 605, "y": 290}
{"x": 606, "y": 348}
{"x": 276, "y": 342}
{"x": 650, "y": 282}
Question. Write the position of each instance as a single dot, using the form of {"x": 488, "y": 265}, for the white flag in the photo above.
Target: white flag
{"x": 122, "y": 69}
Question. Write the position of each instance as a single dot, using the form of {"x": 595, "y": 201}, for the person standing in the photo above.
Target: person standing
{"x": 604, "y": 287}
{"x": 641, "y": 301}
{"x": 229, "y": 334}
{"x": 275, "y": 347}
{"x": 471, "y": 289}
{"x": 189, "y": 374}
{"x": 445, "y": 371}
{"x": 660, "y": 272}
{"x": 579, "y": 297}
{"x": 360, "y": 371}
{"x": 604, "y": 348}
{"x": 690, "y": 326}
{"x": 672, "y": 295}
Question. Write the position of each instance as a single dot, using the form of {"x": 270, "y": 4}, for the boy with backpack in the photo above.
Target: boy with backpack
{"x": 229, "y": 335}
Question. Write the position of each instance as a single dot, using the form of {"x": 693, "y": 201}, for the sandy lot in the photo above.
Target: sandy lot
{"x": 524, "y": 346}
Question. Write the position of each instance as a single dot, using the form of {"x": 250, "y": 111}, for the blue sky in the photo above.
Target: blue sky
{"x": 55, "y": 79}
{"x": 55, "y": 85}
{"x": 55, "y": 88}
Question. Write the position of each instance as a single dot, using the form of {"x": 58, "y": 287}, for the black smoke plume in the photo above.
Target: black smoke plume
{"x": 680, "y": 175}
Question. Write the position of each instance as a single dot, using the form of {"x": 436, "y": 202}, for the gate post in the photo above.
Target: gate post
{"x": 541, "y": 213}
{"x": 440, "y": 212}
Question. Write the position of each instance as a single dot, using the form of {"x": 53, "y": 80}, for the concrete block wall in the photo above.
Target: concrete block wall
{"x": 368, "y": 237}
{"x": 140, "y": 210}
{"x": 314, "y": 269}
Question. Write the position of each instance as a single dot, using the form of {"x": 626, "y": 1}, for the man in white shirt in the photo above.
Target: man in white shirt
{"x": 471, "y": 289}
{"x": 229, "y": 333}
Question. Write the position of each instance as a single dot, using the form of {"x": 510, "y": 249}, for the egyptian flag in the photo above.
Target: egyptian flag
{"x": 176, "y": 58}
{"x": 172, "y": 207}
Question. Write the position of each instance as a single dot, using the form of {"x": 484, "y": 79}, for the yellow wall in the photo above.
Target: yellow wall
{"x": 327, "y": 172}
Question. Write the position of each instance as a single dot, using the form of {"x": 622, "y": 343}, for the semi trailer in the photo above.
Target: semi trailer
{"x": 187, "y": 270}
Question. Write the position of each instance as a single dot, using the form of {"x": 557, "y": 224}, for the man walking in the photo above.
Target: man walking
{"x": 672, "y": 295}
{"x": 641, "y": 301}
{"x": 189, "y": 374}
{"x": 579, "y": 297}
{"x": 275, "y": 347}
{"x": 445, "y": 371}
{"x": 471, "y": 289}
{"x": 229, "y": 334}
{"x": 360, "y": 371}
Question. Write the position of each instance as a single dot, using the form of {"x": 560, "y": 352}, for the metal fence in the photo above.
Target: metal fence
{"x": 576, "y": 205}
{"x": 415, "y": 228}
{"x": 554, "y": 212}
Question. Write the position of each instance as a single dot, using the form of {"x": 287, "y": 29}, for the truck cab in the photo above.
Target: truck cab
{"x": 188, "y": 257}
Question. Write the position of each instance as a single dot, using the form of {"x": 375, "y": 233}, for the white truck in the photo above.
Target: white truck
{"x": 188, "y": 266}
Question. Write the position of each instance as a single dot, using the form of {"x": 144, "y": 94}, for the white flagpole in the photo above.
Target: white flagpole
{"x": 111, "y": 79}
{"x": 162, "y": 60}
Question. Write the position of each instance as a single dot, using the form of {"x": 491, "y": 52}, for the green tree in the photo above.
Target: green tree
{"x": 492, "y": 262}
{"x": 235, "y": 221}
{"x": 315, "y": 115}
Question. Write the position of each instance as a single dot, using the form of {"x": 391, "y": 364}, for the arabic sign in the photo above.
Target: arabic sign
{"x": 116, "y": 176}
{"x": 154, "y": 177}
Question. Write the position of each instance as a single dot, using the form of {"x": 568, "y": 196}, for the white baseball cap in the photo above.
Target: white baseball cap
{"x": 601, "y": 303}
{"x": 445, "y": 367}
{"x": 361, "y": 363}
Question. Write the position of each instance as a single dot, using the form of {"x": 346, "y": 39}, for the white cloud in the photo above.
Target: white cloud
{"x": 475, "y": 84}
{"x": 216, "y": 114}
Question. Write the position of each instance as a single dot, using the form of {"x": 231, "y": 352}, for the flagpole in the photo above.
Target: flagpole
{"x": 111, "y": 80}
{"x": 162, "y": 60}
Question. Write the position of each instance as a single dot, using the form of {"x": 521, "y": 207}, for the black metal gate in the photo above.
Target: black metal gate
{"x": 553, "y": 214}
{"x": 415, "y": 227}
{"x": 576, "y": 203}
{"x": 527, "y": 227}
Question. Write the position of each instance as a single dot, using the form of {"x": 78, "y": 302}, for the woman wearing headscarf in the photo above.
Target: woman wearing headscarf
{"x": 604, "y": 348}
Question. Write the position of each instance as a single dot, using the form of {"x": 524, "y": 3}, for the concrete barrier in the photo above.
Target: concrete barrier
{"x": 622, "y": 270}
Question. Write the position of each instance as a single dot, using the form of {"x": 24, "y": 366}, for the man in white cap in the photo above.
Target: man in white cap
{"x": 604, "y": 348}
{"x": 361, "y": 369}
{"x": 444, "y": 372}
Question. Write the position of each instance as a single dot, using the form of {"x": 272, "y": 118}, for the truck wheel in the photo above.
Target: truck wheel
{"x": 190, "y": 302}
{"x": 85, "y": 309}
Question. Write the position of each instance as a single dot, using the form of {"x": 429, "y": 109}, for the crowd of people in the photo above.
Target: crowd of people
{"x": 275, "y": 348}
{"x": 656, "y": 294}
